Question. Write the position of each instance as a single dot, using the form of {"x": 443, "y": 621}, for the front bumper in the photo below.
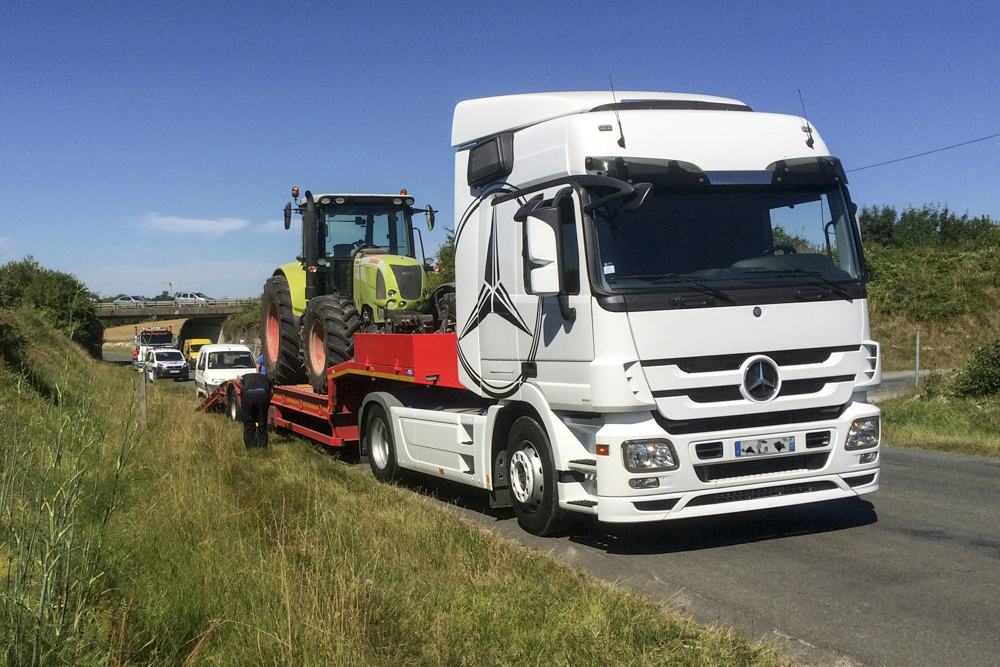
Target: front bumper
{"x": 723, "y": 484}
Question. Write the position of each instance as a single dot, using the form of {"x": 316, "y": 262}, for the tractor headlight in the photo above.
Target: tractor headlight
{"x": 864, "y": 433}
{"x": 649, "y": 455}
{"x": 392, "y": 292}
{"x": 391, "y": 303}
{"x": 402, "y": 304}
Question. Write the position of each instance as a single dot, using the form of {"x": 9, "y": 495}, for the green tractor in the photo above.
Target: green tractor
{"x": 358, "y": 272}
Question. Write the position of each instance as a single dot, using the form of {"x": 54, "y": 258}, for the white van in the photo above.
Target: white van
{"x": 218, "y": 363}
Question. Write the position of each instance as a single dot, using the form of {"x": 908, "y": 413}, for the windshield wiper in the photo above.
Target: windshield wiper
{"x": 834, "y": 287}
{"x": 699, "y": 285}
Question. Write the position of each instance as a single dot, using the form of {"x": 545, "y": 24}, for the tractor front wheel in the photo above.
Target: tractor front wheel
{"x": 279, "y": 335}
{"x": 328, "y": 328}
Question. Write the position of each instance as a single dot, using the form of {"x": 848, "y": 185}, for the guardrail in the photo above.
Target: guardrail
{"x": 100, "y": 308}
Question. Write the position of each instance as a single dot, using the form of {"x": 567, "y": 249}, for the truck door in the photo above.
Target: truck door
{"x": 562, "y": 347}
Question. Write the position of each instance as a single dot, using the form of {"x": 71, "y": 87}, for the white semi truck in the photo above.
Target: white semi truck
{"x": 660, "y": 312}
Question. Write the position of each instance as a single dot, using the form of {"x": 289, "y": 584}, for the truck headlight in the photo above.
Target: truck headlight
{"x": 649, "y": 455}
{"x": 864, "y": 433}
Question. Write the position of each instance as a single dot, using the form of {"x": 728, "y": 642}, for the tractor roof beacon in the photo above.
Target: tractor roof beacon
{"x": 358, "y": 271}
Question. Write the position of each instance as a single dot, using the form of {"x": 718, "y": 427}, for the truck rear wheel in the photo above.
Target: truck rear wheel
{"x": 279, "y": 336}
{"x": 328, "y": 328}
{"x": 377, "y": 434}
{"x": 533, "y": 479}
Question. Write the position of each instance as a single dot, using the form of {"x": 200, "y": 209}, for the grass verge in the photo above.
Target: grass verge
{"x": 177, "y": 546}
{"x": 959, "y": 425}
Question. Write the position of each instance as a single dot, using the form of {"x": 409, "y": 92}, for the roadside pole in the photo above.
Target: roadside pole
{"x": 142, "y": 400}
{"x": 916, "y": 372}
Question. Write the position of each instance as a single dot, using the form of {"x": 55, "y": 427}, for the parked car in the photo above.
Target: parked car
{"x": 129, "y": 302}
{"x": 166, "y": 362}
{"x": 191, "y": 346}
{"x": 192, "y": 298}
{"x": 218, "y": 363}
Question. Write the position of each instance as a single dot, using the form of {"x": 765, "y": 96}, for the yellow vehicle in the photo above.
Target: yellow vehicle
{"x": 191, "y": 347}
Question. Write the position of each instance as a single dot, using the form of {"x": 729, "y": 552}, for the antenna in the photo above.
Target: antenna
{"x": 621, "y": 139}
{"x": 808, "y": 128}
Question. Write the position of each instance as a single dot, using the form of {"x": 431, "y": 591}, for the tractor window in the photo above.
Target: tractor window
{"x": 350, "y": 227}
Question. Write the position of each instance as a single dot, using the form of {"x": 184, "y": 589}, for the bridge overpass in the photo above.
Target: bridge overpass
{"x": 170, "y": 309}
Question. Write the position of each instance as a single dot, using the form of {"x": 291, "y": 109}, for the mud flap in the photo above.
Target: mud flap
{"x": 500, "y": 495}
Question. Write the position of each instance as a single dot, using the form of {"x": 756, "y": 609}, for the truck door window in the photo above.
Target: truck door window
{"x": 570, "y": 267}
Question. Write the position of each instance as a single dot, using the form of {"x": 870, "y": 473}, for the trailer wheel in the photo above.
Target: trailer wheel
{"x": 232, "y": 405}
{"x": 328, "y": 328}
{"x": 279, "y": 335}
{"x": 533, "y": 478}
{"x": 379, "y": 445}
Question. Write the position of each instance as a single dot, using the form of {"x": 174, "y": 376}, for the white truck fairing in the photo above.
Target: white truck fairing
{"x": 672, "y": 287}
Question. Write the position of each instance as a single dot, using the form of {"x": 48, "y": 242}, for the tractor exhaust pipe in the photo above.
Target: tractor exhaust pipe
{"x": 310, "y": 243}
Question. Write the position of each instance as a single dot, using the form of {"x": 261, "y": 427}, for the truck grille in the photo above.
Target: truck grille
{"x": 655, "y": 505}
{"x": 860, "y": 480}
{"x": 731, "y": 362}
{"x": 717, "y": 471}
{"x": 732, "y": 392}
{"x": 409, "y": 279}
{"x": 817, "y": 439}
{"x": 766, "y": 492}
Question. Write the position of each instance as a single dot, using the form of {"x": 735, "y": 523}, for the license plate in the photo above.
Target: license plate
{"x": 765, "y": 446}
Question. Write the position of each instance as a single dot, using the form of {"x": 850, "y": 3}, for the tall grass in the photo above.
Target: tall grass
{"x": 58, "y": 484}
{"x": 180, "y": 547}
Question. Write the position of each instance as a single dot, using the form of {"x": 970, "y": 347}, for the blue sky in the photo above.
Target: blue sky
{"x": 144, "y": 142}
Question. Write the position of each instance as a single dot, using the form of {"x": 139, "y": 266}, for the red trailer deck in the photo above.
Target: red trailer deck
{"x": 381, "y": 361}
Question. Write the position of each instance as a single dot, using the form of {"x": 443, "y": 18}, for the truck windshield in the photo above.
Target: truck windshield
{"x": 156, "y": 338}
{"x": 350, "y": 227}
{"x": 727, "y": 236}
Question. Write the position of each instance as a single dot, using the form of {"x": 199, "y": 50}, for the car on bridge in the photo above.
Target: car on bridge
{"x": 129, "y": 302}
{"x": 192, "y": 299}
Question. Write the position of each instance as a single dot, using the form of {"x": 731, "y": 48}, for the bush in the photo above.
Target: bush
{"x": 64, "y": 301}
{"x": 981, "y": 374}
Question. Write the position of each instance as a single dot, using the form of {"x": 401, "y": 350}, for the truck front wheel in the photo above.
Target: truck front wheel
{"x": 379, "y": 445}
{"x": 533, "y": 478}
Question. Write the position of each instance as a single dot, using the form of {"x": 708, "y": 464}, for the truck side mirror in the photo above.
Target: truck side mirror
{"x": 288, "y": 215}
{"x": 542, "y": 246}
{"x": 430, "y": 217}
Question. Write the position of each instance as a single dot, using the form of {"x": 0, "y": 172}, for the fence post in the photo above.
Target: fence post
{"x": 142, "y": 399}
{"x": 916, "y": 373}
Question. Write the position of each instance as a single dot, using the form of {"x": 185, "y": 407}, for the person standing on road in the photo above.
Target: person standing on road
{"x": 255, "y": 392}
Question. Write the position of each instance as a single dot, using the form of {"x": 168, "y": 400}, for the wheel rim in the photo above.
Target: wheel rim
{"x": 526, "y": 480}
{"x": 232, "y": 408}
{"x": 378, "y": 444}
{"x": 317, "y": 348}
{"x": 273, "y": 331}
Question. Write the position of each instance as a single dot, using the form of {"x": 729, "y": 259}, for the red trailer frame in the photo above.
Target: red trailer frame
{"x": 381, "y": 362}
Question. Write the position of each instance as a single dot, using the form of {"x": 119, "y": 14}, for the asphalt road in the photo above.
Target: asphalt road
{"x": 908, "y": 576}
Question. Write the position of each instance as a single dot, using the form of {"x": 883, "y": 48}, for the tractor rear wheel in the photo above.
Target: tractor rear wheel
{"x": 279, "y": 333}
{"x": 328, "y": 328}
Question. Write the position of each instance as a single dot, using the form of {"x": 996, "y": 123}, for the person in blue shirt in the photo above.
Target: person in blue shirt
{"x": 255, "y": 399}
